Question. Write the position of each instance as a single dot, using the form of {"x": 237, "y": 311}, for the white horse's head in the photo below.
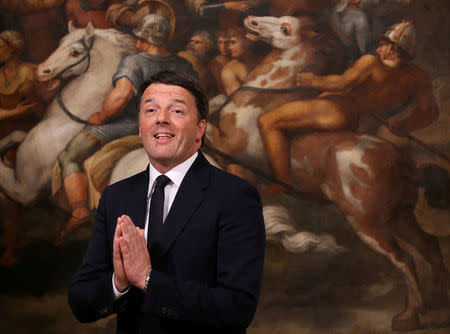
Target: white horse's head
{"x": 71, "y": 58}
{"x": 80, "y": 50}
{"x": 280, "y": 32}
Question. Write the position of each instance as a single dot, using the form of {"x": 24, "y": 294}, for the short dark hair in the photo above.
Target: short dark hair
{"x": 184, "y": 80}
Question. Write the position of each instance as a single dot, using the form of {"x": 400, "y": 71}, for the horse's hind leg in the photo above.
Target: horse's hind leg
{"x": 406, "y": 228}
{"x": 379, "y": 237}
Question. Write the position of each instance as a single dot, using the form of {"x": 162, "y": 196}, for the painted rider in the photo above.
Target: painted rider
{"x": 118, "y": 116}
{"x": 385, "y": 84}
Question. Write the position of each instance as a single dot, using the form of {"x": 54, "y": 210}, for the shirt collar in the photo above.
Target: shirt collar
{"x": 176, "y": 174}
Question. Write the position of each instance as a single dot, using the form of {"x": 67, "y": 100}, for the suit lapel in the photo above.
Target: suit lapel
{"x": 188, "y": 199}
{"x": 137, "y": 201}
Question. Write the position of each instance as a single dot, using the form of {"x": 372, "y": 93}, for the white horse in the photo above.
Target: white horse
{"x": 91, "y": 57}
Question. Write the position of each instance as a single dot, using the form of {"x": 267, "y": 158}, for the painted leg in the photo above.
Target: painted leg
{"x": 298, "y": 116}
{"x": 277, "y": 149}
{"x": 380, "y": 239}
{"x": 406, "y": 228}
{"x": 76, "y": 187}
{"x": 80, "y": 147}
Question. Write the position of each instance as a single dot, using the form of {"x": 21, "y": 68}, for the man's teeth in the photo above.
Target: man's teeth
{"x": 163, "y": 135}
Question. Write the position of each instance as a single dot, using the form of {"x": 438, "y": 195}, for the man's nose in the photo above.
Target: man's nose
{"x": 163, "y": 116}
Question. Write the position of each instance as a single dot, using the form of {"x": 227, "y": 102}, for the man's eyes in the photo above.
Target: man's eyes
{"x": 175, "y": 111}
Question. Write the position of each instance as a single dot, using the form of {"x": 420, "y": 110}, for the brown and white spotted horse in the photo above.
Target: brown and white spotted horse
{"x": 366, "y": 177}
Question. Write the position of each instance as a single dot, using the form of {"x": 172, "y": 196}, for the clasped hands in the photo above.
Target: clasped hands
{"x": 131, "y": 259}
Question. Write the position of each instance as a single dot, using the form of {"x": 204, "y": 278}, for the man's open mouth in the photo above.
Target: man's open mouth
{"x": 161, "y": 135}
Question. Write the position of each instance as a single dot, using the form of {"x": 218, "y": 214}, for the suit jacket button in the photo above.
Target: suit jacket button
{"x": 164, "y": 310}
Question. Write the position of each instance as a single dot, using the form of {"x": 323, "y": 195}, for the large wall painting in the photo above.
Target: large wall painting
{"x": 337, "y": 110}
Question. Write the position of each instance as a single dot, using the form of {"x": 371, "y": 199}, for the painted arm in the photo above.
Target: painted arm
{"x": 231, "y": 76}
{"x": 114, "y": 102}
{"x": 22, "y": 108}
{"x": 351, "y": 78}
{"x": 206, "y": 8}
{"x": 424, "y": 111}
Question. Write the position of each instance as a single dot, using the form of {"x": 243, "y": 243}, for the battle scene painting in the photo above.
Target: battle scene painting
{"x": 338, "y": 111}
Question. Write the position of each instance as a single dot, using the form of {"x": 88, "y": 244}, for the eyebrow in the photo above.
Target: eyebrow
{"x": 173, "y": 101}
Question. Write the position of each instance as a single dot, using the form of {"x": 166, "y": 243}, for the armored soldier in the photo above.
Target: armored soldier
{"x": 116, "y": 120}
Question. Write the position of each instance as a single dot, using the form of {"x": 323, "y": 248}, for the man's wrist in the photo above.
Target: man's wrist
{"x": 147, "y": 279}
{"x": 116, "y": 291}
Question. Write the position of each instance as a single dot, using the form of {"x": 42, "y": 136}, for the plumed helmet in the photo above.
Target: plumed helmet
{"x": 403, "y": 34}
{"x": 154, "y": 28}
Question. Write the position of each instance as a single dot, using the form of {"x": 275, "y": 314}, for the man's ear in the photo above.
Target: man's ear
{"x": 201, "y": 128}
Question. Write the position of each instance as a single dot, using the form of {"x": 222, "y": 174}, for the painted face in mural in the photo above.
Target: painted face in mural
{"x": 237, "y": 46}
{"x": 222, "y": 44}
{"x": 169, "y": 125}
{"x": 388, "y": 53}
{"x": 198, "y": 45}
{"x": 142, "y": 45}
{"x": 5, "y": 51}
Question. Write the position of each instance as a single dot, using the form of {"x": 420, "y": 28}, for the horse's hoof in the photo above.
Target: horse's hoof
{"x": 406, "y": 321}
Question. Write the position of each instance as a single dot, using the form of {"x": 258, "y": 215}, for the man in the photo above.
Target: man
{"x": 198, "y": 53}
{"x": 243, "y": 60}
{"x": 383, "y": 84}
{"x": 153, "y": 32}
{"x": 202, "y": 272}
{"x": 218, "y": 62}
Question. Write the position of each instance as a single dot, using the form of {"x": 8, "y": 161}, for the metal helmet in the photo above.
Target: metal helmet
{"x": 403, "y": 34}
{"x": 154, "y": 28}
{"x": 161, "y": 7}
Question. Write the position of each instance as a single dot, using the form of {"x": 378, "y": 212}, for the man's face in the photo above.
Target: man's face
{"x": 5, "y": 51}
{"x": 142, "y": 45}
{"x": 169, "y": 125}
{"x": 222, "y": 44}
{"x": 388, "y": 53}
{"x": 198, "y": 46}
{"x": 237, "y": 47}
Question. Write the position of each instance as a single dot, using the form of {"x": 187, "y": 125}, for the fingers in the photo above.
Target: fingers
{"x": 131, "y": 235}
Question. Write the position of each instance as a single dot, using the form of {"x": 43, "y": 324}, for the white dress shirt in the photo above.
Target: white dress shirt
{"x": 176, "y": 176}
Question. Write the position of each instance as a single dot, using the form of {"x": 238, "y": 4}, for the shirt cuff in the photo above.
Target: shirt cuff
{"x": 117, "y": 293}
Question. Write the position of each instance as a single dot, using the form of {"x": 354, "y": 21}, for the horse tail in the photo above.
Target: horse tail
{"x": 436, "y": 183}
{"x": 279, "y": 228}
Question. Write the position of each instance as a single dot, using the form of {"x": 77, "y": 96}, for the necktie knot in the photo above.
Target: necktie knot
{"x": 161, "y": 181}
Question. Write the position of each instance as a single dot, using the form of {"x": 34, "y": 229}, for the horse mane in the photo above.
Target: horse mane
{"x": 125, "y": 42}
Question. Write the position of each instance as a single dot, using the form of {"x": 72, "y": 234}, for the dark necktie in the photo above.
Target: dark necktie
{"x": 155, "y": 219}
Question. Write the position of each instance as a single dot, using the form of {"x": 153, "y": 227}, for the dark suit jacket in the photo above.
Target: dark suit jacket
{"x": 207, "y": 265}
